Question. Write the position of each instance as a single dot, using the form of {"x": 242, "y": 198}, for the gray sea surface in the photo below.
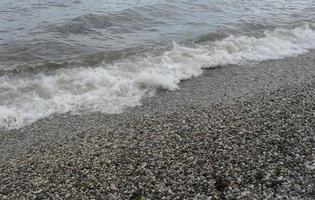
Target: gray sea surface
{"x": 36, "y": 30}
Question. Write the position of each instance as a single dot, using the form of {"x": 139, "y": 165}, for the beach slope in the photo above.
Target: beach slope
{"x": 236, "y": 132}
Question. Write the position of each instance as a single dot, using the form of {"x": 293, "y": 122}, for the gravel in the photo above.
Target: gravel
{"x": 255, "y": 146}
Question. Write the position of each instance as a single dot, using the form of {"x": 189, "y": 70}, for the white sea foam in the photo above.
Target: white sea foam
{"x": 111, "y": 88}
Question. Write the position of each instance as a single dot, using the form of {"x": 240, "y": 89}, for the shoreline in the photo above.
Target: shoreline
{"x": 221, "y": 84}
{"x": 197, "y": 141}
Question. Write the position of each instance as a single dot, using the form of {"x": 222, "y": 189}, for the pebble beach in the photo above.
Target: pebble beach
{"x": 236, "y": 132}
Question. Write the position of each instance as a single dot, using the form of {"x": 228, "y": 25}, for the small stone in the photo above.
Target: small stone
{"x": 68, "y": 195}
{"x": 113, "y": 187}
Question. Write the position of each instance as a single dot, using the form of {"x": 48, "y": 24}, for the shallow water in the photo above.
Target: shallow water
{"x": 83, "y": 56}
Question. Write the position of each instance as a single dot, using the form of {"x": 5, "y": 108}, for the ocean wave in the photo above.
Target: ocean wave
{"x": 92, "y": 59}
{"x": 125, "y": 21}
{"x": 110, "y": 88}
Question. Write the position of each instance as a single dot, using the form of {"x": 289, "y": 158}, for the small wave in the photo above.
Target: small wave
{"x": 250, "y": 28}
{"x": 28, "y": 68}
{"x": 124, "y": 21}
{"x": 110, "y": 88}
{"x": 127, "y": 20}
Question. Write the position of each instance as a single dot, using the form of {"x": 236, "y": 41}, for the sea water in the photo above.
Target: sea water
{"x": 81, "y": 56}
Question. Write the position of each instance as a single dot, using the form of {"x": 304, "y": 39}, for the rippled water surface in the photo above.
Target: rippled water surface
{"x": 44, "y": 30}
{"x": 82, "y": 56}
